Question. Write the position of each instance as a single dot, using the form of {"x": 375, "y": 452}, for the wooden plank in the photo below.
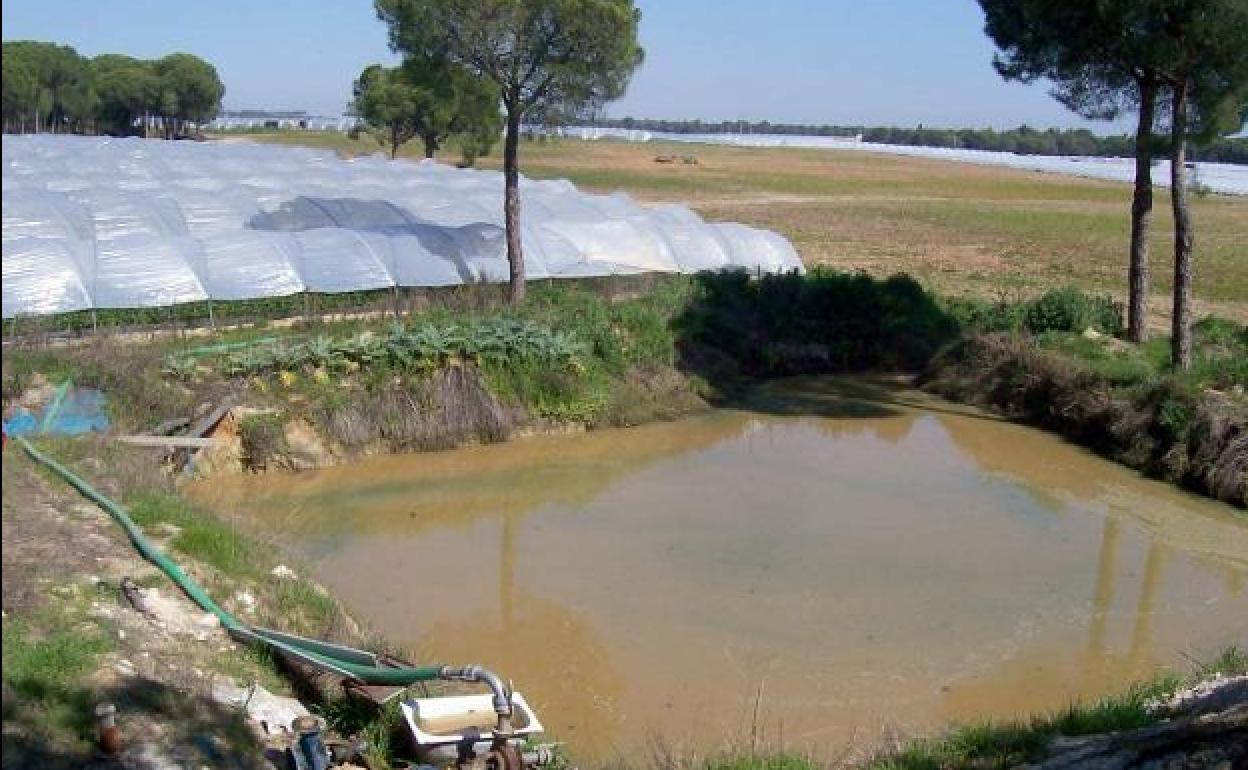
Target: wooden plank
{"x": 181, "y": 455}
{"x": 200, "y": 427}
{"x": 167, "y": 442}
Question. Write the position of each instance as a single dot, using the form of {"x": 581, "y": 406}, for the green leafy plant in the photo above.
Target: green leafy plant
{"x": 1070, "y": 310}
{"x": 263, "y": 438}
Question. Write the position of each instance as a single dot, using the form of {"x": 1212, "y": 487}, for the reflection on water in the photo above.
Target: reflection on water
{"x": 851, "y": 559}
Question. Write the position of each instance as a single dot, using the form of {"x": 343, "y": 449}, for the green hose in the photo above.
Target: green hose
{"x": 345, "y": 661}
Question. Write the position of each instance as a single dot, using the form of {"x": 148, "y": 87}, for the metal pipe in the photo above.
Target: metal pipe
{"x": 475, "y": 673}
{"x": 446, "y": 754}
{"x": 538, "y": 756}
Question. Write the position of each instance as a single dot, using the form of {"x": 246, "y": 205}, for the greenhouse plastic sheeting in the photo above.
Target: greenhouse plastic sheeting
{"x": 1228, "y": 178}
{"x": 43, "y": 276}
{"x": 116, "y": 223}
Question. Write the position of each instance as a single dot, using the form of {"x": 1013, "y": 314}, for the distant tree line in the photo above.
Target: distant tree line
{"x": 1023, "y": 140}
{"x": 51, "y": 88}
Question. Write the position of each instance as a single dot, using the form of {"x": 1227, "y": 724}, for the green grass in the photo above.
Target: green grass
{"x": 776, "y": 762}
{"x": 238, "y": 557}
{"x": 42, "y": 674}
{"x": 573, "y": 354}
{"x": 476, "y": 321}
{"x": 1005, "y": 745}
{"x": 1120, "y": 366}
{"x": 303, "y": 605}
{"x": 52, "y": 660}
{"x": 1220, "y": 360}
{"x": 48, "y": 656}
{"x": 1001, "y": 745}
{"x": 138, "y": 397}
{"x": 1091, "y": 257}
{"x": 251, "y": 664}
{"x": 377, "y": 726}
{"x": 201, "y": 537}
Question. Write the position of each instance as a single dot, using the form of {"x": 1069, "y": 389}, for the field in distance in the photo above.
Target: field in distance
{"x": 960, "y": 228}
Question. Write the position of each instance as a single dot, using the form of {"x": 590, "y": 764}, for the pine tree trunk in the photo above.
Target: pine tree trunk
{"x": 1181, "y": 334}
{"x": 431, "y": 146}
{"x": 1141, "y": 216}
{"x": 511, "y": 205}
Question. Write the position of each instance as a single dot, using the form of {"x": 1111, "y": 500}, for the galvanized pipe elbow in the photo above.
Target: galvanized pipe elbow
{"x": 475, "y": 673}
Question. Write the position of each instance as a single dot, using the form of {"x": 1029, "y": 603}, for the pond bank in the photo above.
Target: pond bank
{"x": 87, "y": 621}
{"x": 465, "y": 370}
{"x": 1166, "y": 427}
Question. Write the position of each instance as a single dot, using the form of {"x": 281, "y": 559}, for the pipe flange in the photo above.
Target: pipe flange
{"x": 504, "y": 756}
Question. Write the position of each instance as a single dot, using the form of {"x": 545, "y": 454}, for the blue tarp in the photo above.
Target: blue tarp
{"x": 73, "y": 412}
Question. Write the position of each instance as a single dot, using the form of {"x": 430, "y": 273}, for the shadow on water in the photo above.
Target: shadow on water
{"x": 820, "y": 398}
{"x": 849, "y": 397}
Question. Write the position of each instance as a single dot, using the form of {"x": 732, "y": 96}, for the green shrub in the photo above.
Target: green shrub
{"x": 824, "y": 321}
{"x": 1070, "y": 310}
{"x": 1173, "y": 404}
{"x": 1220, "y": 332}
{"x": 263, "y": 439}
{"x": 1221, "y": 371}
{"x": 984, "y": 316}
{"x": 1221, "y": 354}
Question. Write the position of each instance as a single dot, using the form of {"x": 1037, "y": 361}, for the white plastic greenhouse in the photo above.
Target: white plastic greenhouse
{"x": 107, "y": 223}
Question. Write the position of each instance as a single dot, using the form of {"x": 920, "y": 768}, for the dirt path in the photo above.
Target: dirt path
{"x": 63, "y": 563}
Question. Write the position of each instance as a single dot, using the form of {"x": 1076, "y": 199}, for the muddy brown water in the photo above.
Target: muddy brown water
{"x": 837, "y": 563}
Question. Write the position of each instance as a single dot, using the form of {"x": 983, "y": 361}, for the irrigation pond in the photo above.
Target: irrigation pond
{"x": 834, "y": 563}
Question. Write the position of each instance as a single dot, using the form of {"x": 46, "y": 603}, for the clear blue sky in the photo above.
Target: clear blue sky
{"x": 812, "y": 61}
